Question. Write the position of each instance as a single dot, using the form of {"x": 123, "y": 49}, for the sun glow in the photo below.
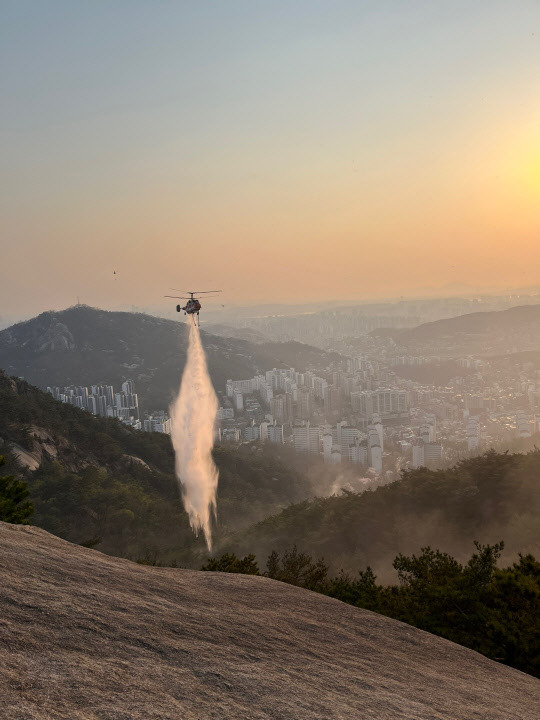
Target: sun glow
{"x": 523, "y": 163}
{"x": 532, "y": 170}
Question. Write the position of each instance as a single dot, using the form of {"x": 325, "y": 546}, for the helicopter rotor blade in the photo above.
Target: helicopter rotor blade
{"x": 197, "y": 292}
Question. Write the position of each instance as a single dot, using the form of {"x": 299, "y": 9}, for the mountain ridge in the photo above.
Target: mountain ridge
{"x": 485, "y": 333}
{"x": 84, "y": 346}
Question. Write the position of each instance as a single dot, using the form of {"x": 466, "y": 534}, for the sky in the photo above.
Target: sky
{"x": 283, "y": 151}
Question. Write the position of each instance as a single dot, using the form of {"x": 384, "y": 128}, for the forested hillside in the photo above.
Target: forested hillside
{"x": 488, "y": 498}
{"x": 98, "y": 480}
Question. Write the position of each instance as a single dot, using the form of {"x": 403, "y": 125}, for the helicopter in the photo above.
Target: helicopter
{"x": 193, "y": 305}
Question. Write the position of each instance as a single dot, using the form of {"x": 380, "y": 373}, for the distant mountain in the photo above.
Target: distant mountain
{"x": 92, "y": 477}
{"x": 488, "y": 498}
{"x": 483, "y": 333}
{"x": 83, "y": 345}
{"x": 240, "y": 333}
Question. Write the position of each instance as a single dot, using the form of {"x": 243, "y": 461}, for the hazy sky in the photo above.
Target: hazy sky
{"x": 280, "y": 150}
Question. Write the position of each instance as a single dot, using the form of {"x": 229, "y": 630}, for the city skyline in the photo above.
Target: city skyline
{"x": 314, "y": 150}
{"x": 360, "y": 411}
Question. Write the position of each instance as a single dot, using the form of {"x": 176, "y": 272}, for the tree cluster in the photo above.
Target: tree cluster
{"x": 14, "y": 506}
{"x": 491, "y": 610}
{"x": 487, "y": 497}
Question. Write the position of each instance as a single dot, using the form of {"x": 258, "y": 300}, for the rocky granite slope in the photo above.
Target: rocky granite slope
{"x": 86, "y": 636}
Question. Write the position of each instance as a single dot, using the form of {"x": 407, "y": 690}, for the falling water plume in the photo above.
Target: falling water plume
{"x": 193, "y": 414}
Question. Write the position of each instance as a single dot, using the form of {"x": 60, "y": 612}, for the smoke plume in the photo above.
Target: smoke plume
{"x": 193, "y": 415}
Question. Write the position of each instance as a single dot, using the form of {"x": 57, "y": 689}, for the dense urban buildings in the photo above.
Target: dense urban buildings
{"x": 364, "y": 410}
{"x": 370, "y": 406}
{"x": 104, "y": 401}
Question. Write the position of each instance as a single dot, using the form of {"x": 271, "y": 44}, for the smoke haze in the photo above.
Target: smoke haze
{"x": 193, "y": 415}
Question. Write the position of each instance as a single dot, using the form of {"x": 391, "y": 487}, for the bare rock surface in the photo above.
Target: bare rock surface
{"x": 87, "y": 636}
{"x": 28, "y": 459}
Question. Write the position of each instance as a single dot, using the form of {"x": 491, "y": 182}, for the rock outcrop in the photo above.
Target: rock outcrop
{"x": 87, "y": 636}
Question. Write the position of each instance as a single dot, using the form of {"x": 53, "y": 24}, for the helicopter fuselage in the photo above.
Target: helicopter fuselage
{"x": 191, "y": 307}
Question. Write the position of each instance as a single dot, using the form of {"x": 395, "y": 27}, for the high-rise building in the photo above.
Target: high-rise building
{"x": 385, "y": 403}
{"x": 319, "y": 385}
{"x": 238, "y": 400}
{"x": 425, "y": 453}
{"x": 427, "y": 433}
{"x": 332, "y": 400}
{"x": 331, "y": 451}
{"x": 263, "y": 431}
{"x": 275, "y": 433}
{"x": 306, "y": 438}
{"x": 523, "y": 425}
{"x": 160, "y": 424}
{"x": 101, "y": 405}
{"x": 358, "y": 454}
{"x": 281, "y": 408}
{"x": 374, "y": 450}
{"x": 251, "y": 432}
{"x": 304, "y": 403}
{"x": 346, "y": 438}
{"x": 230, "y": 435}
{"x": 128, "y": 387}
{"x": 473, "y": 434}
{"x": 418, "y": 455}
{"x": 242, "y": 386}
{"x": 432, "y": 452}
{"x": 107, "y": 391}
{"x": 354, "y": 364}
{"x": 378, "y": 427}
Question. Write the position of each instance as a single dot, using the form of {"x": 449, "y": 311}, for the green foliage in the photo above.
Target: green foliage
{"x": 255, "y": 484}
{"x": 149, "y": 558}
{"x": 490, "y": 496}
{"x": 514, "y": 619}
{"x": 430, "y": 567}
{"x": 297, "y": 568}
{"x": 229, "y": 563}
{"x": 14, "y": 507}
{"x": 362, "y": 592}
{"x": 494, "y": 611}
{"x": 123, "y": 512}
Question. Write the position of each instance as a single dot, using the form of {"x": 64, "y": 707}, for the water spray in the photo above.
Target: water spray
{"x": 193, "y": 414}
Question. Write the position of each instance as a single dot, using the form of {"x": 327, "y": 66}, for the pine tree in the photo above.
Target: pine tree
{"x": 14, "y": 508}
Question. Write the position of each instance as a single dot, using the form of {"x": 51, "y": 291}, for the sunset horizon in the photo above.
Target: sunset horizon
{"x": 375, "y": 151}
